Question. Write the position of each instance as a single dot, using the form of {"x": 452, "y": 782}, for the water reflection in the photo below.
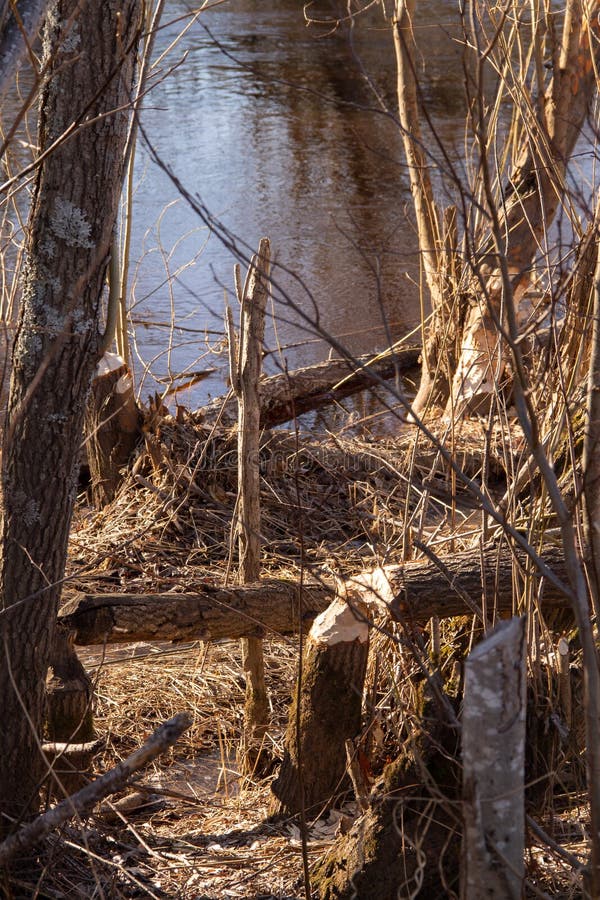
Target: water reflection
{"x": 279, "y": 133}
{"x": 289, "y": 131}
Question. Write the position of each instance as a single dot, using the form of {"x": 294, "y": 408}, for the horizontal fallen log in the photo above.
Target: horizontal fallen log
{"x": 413, "y": 592}
{"x": 284, "y": 396}
{"x": 468, "y": 582}
{"x": 84, "y": 800}
{"x": 211, "y": 614}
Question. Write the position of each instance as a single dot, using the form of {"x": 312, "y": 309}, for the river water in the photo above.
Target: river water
{"x": 284, "y": 129}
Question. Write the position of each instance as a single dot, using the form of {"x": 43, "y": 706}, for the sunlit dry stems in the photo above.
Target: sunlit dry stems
{"x": 428, "y": 225}
{"x": 530, "y": 203}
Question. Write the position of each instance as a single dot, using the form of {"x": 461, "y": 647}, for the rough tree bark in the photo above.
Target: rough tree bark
{"x": 68, "y": 693}
{"x": 407, "y": 842}
{"x": 214, "y": 614}
{"x": 89, "y": 50}
{"x": 246, "y": 369}
{"x": 333, "y": 674}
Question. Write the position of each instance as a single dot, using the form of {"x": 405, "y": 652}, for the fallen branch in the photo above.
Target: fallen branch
{"x": 287, "y": 395}
{"x": 413, "y": 592}
{"x": 85, "y": 799}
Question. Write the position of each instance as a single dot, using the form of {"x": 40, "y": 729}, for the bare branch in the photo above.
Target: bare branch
{"x": 88, "y": 797}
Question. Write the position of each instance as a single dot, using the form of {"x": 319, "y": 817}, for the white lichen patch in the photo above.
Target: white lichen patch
{"x": 53, "y": 19}
{"x": 484, "y": 697}
{"x": 48, "y": 247}
{"x": 28, "y": 348}
{"x": 81, "y": 323}
{"x": 72, "y": 39}
{"x": 38, "y": 282}
{"x": 503, "y": 807}
{"x": 55, "y": 322}
{"x": 27, "y": 508}
{"x": 69, "y": 223}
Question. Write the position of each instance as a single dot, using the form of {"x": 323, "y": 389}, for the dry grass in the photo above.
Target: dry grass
{"x": 194, "y": 831}
{"x": 347, "y": 504}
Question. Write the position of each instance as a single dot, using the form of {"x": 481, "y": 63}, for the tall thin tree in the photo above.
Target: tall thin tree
{"x": 89, "y": 51}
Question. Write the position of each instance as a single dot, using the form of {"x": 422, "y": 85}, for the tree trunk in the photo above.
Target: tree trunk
{"x": 112, "y": 427}
{"x": 407, "y": 843}
{"x": 246, "y": 369}
{"x": 591, "y": 460}
{"x": 89, "y": 49}
{"x": 437, "y": 239}
{"x": 312, "y": 773}
{"x": 502, "y": 261}
{"x": 69, "y": 718}
{"x": 493, "y": 755}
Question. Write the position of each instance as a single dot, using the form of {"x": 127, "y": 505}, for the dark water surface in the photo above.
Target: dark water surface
{"x": 272, "y": 125}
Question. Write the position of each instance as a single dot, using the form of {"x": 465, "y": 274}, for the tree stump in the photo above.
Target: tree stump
{"x": 68, "y": 693}
{"x": 493, "y": 753}
{"x": 69, "y": 716}
{"x": 112, "y": 426}
{"x": 407, "y": 843}
{"x": 313, "y": 770}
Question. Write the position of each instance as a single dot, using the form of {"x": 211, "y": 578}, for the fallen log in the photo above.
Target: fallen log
{"x": 413, "y": 592}
{"x": 472, "y": 581}
{"x": 284, "y": 396}
{"x": 212, "y": 614}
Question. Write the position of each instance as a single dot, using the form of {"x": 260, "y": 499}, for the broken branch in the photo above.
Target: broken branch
{"x": 85, "y": 799}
